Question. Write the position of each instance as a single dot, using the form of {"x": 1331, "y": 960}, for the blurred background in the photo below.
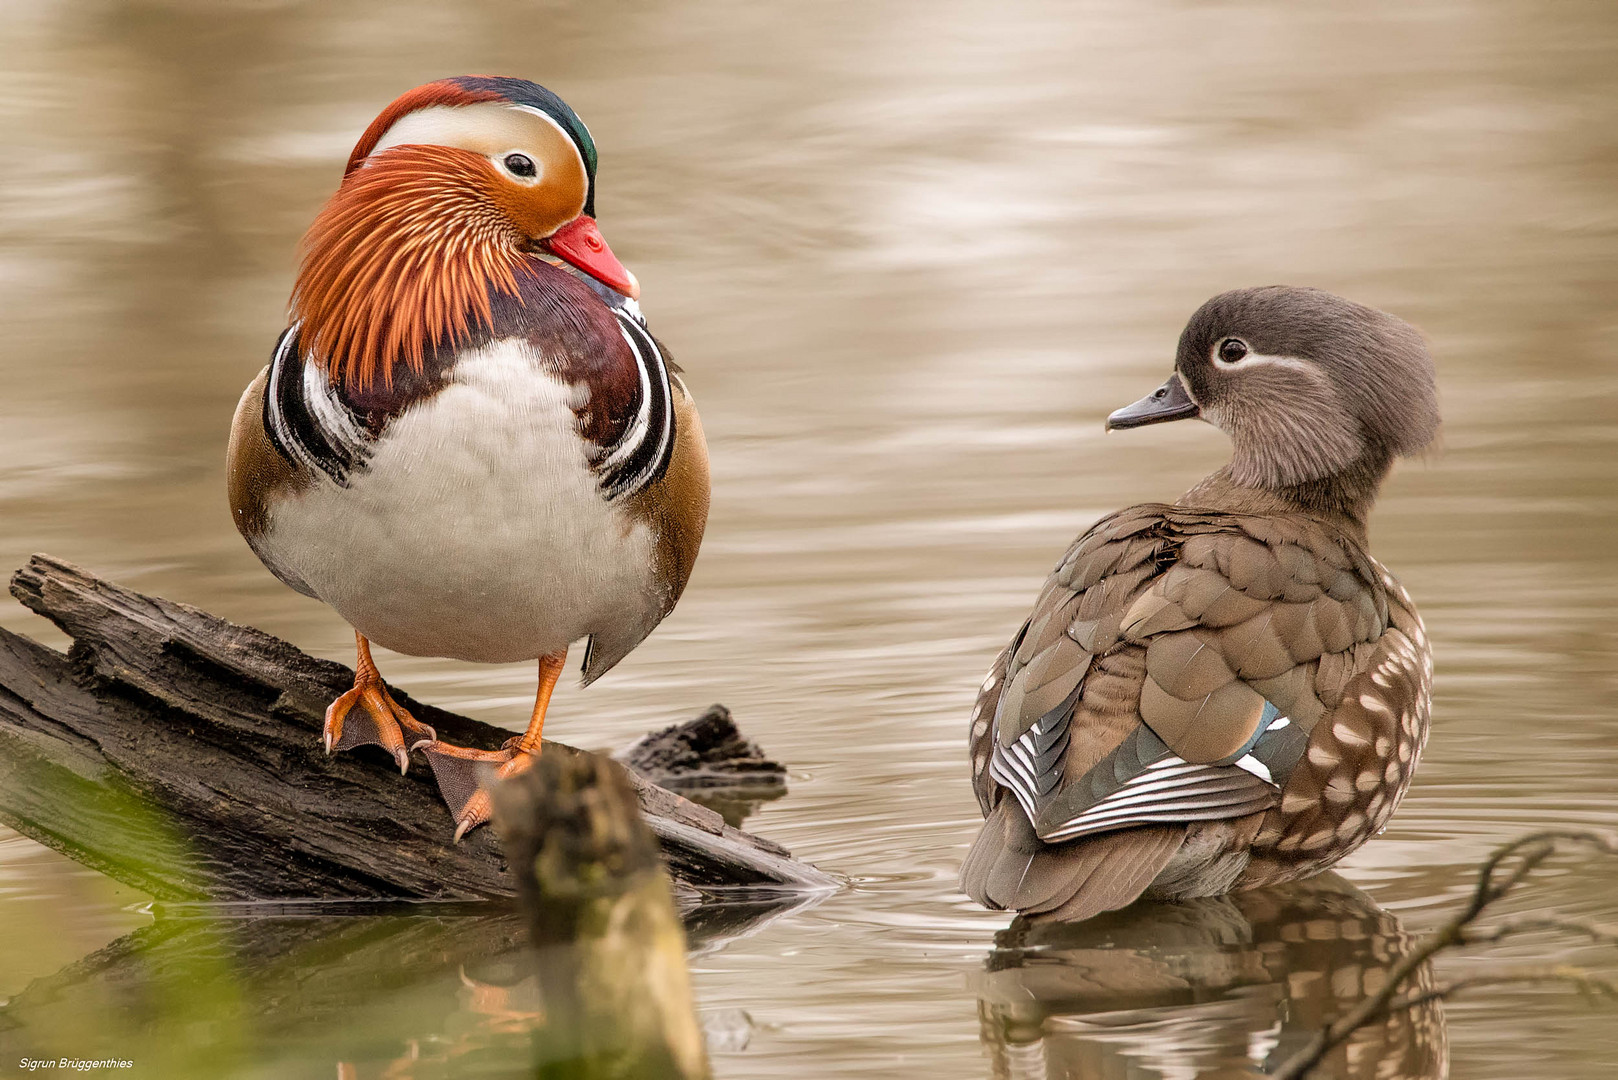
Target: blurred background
{"x": 909, "y": 254}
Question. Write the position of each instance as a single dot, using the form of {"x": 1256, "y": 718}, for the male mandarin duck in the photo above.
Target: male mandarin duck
{"x": 1229, "y": 691}
{"x": 467, "y": 442}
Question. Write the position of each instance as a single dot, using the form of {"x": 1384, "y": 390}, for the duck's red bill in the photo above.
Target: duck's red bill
{"x": 581, "y": 244}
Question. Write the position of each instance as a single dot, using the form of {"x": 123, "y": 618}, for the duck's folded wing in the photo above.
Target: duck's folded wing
{"x": 1165, "y": 677}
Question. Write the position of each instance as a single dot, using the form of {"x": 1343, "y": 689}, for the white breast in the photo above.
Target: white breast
{"x": 477, "y": 530}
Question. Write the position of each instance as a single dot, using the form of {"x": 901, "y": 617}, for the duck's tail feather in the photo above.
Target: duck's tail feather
{"x": 1010, "y": 867}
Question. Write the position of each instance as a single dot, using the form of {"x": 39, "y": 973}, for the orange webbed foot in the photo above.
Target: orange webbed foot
{"x": 460, "y": 772}
{"x": 367, "y": 715}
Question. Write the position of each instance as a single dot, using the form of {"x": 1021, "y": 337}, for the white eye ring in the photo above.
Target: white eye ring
{"x": 1236, "y": 346}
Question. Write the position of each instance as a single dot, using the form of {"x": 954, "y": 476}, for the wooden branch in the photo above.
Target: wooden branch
{"x": 180, "y": 753}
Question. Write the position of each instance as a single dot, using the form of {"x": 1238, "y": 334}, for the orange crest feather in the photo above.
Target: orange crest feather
{"x": 402, "y": 260}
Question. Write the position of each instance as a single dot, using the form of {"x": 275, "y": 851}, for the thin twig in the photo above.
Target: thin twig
{"x": 1597, "y": 935}
{"x": 1493, "y": 883}
{"x": 1578, "y": 978}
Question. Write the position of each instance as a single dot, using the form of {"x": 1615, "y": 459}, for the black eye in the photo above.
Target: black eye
{"x": 520, "y": 164}
{"x": 1232, "y": 350}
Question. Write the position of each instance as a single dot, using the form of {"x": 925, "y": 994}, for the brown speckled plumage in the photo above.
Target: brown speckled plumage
{"x": 1176, "y": 635}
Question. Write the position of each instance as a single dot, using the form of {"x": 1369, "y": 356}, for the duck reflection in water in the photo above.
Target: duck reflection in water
{"x": 1218, "y": 987}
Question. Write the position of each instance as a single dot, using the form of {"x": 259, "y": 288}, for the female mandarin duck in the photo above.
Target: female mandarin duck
{"x": 467, "y": 442}
{"x": 1227, "y": 692}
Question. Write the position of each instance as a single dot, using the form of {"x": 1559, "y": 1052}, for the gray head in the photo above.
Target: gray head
{"x": 1308, "y": 386}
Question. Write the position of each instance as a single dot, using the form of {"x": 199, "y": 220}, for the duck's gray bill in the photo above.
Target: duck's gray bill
{"x": 1167, "y": 402}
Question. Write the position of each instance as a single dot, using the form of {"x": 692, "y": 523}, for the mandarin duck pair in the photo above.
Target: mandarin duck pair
{"x": 469, "y": 445}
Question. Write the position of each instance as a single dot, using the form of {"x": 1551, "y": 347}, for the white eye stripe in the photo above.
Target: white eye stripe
{"x": 1254, "y": 359}
{"x": 543, "y": 115}
{"x": 481, "y": 128}
{"x": 552, "y": 121}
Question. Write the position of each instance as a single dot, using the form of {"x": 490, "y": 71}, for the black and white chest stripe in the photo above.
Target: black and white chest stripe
{"x": 309, "y": 423}
{"x": 306, "y": 420}
{"x": 641, "y": 454}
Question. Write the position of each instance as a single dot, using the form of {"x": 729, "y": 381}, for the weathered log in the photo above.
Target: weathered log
{"x": 180, "y": 753}
{"x": 709, "y": 760}
{"x": 609, "y": 954}
{"x": 708, "y": 751}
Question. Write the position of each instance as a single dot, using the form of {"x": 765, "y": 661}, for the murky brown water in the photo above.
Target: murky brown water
{"x": 910, "y": 254}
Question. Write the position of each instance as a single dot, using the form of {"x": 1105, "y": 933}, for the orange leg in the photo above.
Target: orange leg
{"x": 459, "y": 769}
{"x": 379, "y": 721}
